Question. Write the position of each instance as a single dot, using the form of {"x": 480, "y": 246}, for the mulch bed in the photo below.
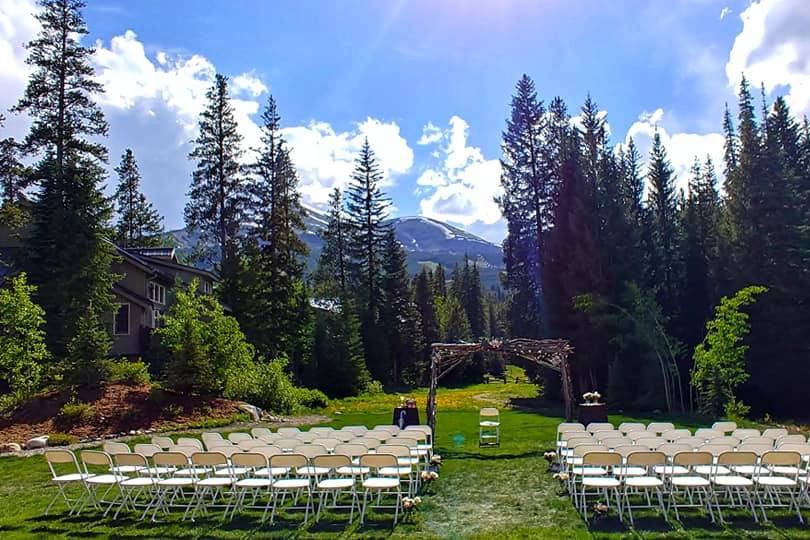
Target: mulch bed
{"x": 116, "y": 409}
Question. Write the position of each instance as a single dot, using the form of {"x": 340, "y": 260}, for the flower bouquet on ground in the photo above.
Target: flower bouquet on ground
{"x": 410, "y": 505}
{"x": 427, "y": 478}
{"x": 551, "y": 457}
{"x": 562, "y": 479}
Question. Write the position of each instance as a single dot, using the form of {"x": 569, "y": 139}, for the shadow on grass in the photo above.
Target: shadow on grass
{"x": 460, "y": 454}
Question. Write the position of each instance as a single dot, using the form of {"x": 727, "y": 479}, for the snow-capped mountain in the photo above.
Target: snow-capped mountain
{"x": 426, "y": 242}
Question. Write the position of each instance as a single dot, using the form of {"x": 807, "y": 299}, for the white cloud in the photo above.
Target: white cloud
{"x": 325, "y": 157}
{"x": 774, "y": 48}
{"x": 17, "y": 27}
{"x": 682, "y": 148}
{"x": 461, "y": 188}
{"x": 248, "y": 83}
{"x": 430, "y": 134}
{"x": 576, "y": 121}
{"x": 725, "y": 12}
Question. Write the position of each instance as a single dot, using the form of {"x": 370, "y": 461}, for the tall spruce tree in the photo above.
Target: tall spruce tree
{"x": 338, "y": 351}
{"x": 217, "y": 193}
{"x": 67, "y": 255}
{"x": 528, "y": 187}
{"x": 139, "y": 224}
{"x": 367, "y": 209}
{"x": 332, "y": 274}
{"x": 13, "y": 181}
{"x": 399, "y": 318}
{"x": 425, "y": 300}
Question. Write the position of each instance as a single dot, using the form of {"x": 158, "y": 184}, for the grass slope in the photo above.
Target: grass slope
{"x": 499, "y": 493}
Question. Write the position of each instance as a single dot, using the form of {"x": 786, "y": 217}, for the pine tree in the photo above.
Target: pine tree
{"x": 338, "y": 351}
{"x": 331, "y": 275}
{"x": 216, "y": 196}
{"x": 367, "y": 209}
{"x": 439, "y": 282}
{"x": 67, "y": 256}
{"x": 425, "y": 300}
{"x": 526, "y": 204}
{"x": 13, "y": 181}
{"x": 399, "y": 318}
{"x": 637, "y": 217}
{"x": 274, "y": 208}
{"x": 139, "y": 224}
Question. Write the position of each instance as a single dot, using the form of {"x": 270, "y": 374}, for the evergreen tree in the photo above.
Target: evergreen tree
{"x": 366, "y": 211}
{"x": 139, "y": 224}
{"x": 67, "y": 256}
{"x": 13, "y": 181}
{"x": 217, "y": 193}
{"x": 399, "y": 317}
{"x": 453, "y": 321}
{"x": 439, "y": 282}
{"x": 425, "y": 300}
{"x": 331, "y": 275}
{"x": 338, "y": 351}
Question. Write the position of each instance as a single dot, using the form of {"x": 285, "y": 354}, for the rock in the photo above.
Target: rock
{"x": 254, "y": 412}
{"x": 10, "y": 447}
{"x": 132, "y": 432}
{"x": 37, "y": 442}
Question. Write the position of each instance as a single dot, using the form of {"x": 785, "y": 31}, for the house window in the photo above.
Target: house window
{"x": 122, "y": 320}
{"x": 206, "y": 286}
{"x": 156, "y": 318}
{"x": 156, "y": 293}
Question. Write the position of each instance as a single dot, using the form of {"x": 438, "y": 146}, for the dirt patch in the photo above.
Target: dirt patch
{"x": 115, "y": 409}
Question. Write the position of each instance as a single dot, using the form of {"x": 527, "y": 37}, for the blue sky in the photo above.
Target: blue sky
{"x": 429, "y": 82}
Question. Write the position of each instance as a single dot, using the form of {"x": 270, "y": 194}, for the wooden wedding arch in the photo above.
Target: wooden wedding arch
{"x": 549, "y": 353}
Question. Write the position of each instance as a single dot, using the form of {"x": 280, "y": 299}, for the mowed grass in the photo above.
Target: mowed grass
{"x": 500, "y": 493}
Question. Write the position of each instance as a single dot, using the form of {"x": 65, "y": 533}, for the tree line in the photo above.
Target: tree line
{"x": 610, "y": 254}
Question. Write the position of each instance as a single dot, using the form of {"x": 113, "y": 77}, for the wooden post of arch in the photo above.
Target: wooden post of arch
{"x": 549, "y": 353}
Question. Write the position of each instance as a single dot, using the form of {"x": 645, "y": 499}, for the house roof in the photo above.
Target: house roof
{"x": 177, "y": 266}
{"x": 132, "y": 296}
{"x": 163, "y": 253}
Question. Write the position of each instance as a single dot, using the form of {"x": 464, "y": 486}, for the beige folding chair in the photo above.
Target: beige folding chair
{"x": 288, "y": 431}
{"x": 789, "y": 439}
{"x": 660, "y": 427}
{"x": 593, "y": 427}
{"x": 638, "y": 435}
{"x": 327, "y": 442}
{"x": 250, "y": 444}
{"x": 322, "y": 431}
{"x": 627, "y": 427}
{"x": 605, "y": 483}
{"x": 577, "y": 471}
{"x": 116, "y": 448}
{"x": 356, "y": 430}
{"x": 674, "y": 434}
{"x": 715, "y": 450}
{"x": 343, "y": 436}
{"x": 390, "y": 428}
{"x": 252, "y": 483}
{"x": 743, "y": 434}
{"x": 65, "y": 471}
{"x": 733, "y": 484}
{"x": 375, "y": 483}
{"x": 378, "y": 434}
{"x": 310, "y": 451}
{"x": 213, "y": 484}
{"x": 190, "y": 441}
{"x": 671, "y": 450}
{"x": 238, "y": 437}
{"x": 626, "y": 470}
{"x": 489, "y": 427}
{"x": 286, "y": 484}
{"x": 708, "y": 434}
{"x": 774, "y": 433}
{"x": 163, "y": 442}
{"x": 369, "y": 442}
{"x": 652, "y": 442}
{"x": 98, "y": 475}
{"x": 210, "y": 440}
{"x": 169, "y": 487}
{"x": 261, "y": 432}
{"x": 778, "y": 475}
{"x": 724, "y": 427}
{"x": 690, "y": 483}
{"x": 693, "y": 442}
{"x": 406, "y": 468}
{"x": 334, "y": 484}
{"x": 288, "y": 444}
{"x": 645, "y": 483}
{"x": 760, "y": 441}
{"x": 727, "y": 440}
{"x": 133, "y": 488}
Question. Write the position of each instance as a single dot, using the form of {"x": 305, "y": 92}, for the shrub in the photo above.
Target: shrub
{"x": 75, "y": 411}
{"x": 61, "y": 439}
{"x": 22, "y": 340}
{"x": 123, "y": 371}
{"x": 87, "y": 363}
{"x": 264, "y": 384}
{"x": 156, "y": 396}
{"x": 374, "y": 387}
{"x": 174, "y": 410}
{"x": 311, "y": 398}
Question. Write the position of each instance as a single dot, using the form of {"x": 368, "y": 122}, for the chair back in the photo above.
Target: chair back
{"x": 94, "y": 458}
{"x": 327, "y": 442}
{"x": 288, "y": 431}
{"x": 238, "y": 436}
{"x": 674, "y": 434}
{"x": 229, "y": 451}
{"x": 249, "y": 444}
{"x": 190, "y": 441}
{"x": 287, "y": 444}
{"x": 660, "y": 427}
{"x": 130, "y": 460}
{"x": 378, "y": 461}
{"x": 627, "y": 427}
{"x": 55, "y": 458}
{"x": 390, "y": 428}
{"x": 775, "y": 433}
{"x": 310, "y": 450}
{"x": 652, "y": 442}
{"x": 398, "y": 450}
{"x": 267, "y": 451}
{"x": 613, "y": 442}
{"x": 116, "y": 448}
{"x": 377, "y": 434}
{"x": 593, "y": 427}
{"x": 801, "y": 448}
{"x": 581, "y": 450}
{"x": 707, "y": 434}
{"x": 170, "y": 459}
{"x": 724, "y": 427}
{"x": 163, "y": 442}
{"x": 187, "y": 451}
{"x": 758, "y": 440}
{"x": 607, "y": 434}
{"x": 350, "y": 449}
{"x": 690, "y": 459}
{"x": 628, "y": 449}
{"x": 261, "y": 432}
{"x": 250, "y": 460}
{"x": 343, "y": 436}
{"x": 743, "y": 434}
{"x": 671, "y": 449}
{"x": 331, "y": 462}
{"x": 737, "y": 458}
{"x": 146, "y": 449}
{"x": 638, "y": 435}
{"x": 322, "y": 430}
{"x": 357, "y": 430}
{"x": 727, "y": 440}
{"x": 369, "y": 442}
{"x": 646, "y": 459}
{"x": 694, "y": 442}
{"x": 716, "y": 449}
{"x": 758, "y": 449}
{"x": 220, "y": 443}
{"x": 603, "y": 459}
{"x": 781, "y": 458}
{"x": 790, "y": 439}
{"x": 209, "y": 459}
{"x": 288, "y": 461}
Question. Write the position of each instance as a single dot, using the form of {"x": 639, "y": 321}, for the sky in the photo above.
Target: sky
{"x": 428, "y": 82}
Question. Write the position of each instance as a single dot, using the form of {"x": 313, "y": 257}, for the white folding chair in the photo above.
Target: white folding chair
{"x": 116, "y": 448}
{"x": 253, "y": 482}
{"x": 778, "y": 475}
{"x": 65, "y": 471}
{"x": 169, "y": 487}
{"x": 190, "y": 441}
{"x": 210, "y": 440}
{"x": 690, "y": 483}
{"x": 724, "y": 427}
{"x": 604, "y": 484}
{"x": 333, "y": 483}
{"x": 163, "y": 442}
{"x": 213, "y": 483}
{"x": 593, "y": 427}
{"x": 732, "y": 484}
{"x": 98, "y": 469}
{"x": 374, "y": 482}
{"x": 133, "y": 488}
{"x": 645, "y": 483}
{"x": 286, "y": 484}
{"x": 238, "y": 437}
{"x": 489, "y": 427}
{"x": 660, "y": 427}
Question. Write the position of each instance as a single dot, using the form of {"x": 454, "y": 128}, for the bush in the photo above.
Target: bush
{"x": 156, "y": 396}
{"x": 311, "y": 398}
{"x": 123, "y": 371}
{"x": 264, "y": 384}
{"x": 87, "y": 363}
{"x": 75, "y": 411}
{"x": 374, "y": 387}
{"x": 174, "y": 410}
{"x": 61, "y": 439}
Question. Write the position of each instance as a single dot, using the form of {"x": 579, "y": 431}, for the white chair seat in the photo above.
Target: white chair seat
{"x": 601, "y": 482}
{"x": 237, "y": 471}
{"x": 141, "y": 481}
{"x": 489, "y": 423}
{"x": 670, "y": 470}
{"x": 354, "y": 471}
{"x": 157, "y": 471}
{"x": 420, "y": 452}
{"x": 711, "y": 469}
{"x": 588, "y": 471}
{"x": 690, "y": 481}
{"x": 644, "y": 481}
{"x": 291, "y": 483}
{"x": 776, "y": 481}
{"x": 395, "y": 471}
{"x": 215, "y": 481}
{"x": 733, "y": 481}
{"x": 786, "y": 469}
{"x": 746, "y": 470}
{"x": 106, "y": 479}
{"x": 336, "y": 483}
{"x": 311, "y": 471}
{"x": 630, "y": 471}
{"x": 127, "y": 469}
{"x": 73, "y": 477}
{"x": 191, "y": 471}
{"x": 272, "y": 471}
{"x": 380, "y": 483}
{"x": 254, "y": 483}
{"x": 176, "y": 482}
{"x": 408, "y": 461}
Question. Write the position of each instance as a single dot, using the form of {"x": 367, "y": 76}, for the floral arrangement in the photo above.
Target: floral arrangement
{"x": 561, "y": 476}
{"x": 549, "y": 456}
{"x": 592, "y": 397}
{"x": 436, "y": 460}
{"x": 410, "y": 504}
{"x": 600, "y": 509}
{"x": 429, "y": 476}
{"x": 495, "y": 344}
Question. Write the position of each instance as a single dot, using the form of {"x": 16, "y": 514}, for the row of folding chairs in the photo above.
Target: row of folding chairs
{"x": 204, "y": 480}
{"x": 712, "y": 478}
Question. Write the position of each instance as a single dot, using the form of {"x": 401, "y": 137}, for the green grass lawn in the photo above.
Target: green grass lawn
{"x": 499, "y": 493}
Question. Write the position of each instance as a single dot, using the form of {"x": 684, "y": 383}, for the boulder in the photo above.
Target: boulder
{"x": 254, "y": 412}
{"x": 37, "y": 442}
{"x": 7, "y": 448}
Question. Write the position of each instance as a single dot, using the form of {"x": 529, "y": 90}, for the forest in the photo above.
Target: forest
{"x": 648, "y": 282}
